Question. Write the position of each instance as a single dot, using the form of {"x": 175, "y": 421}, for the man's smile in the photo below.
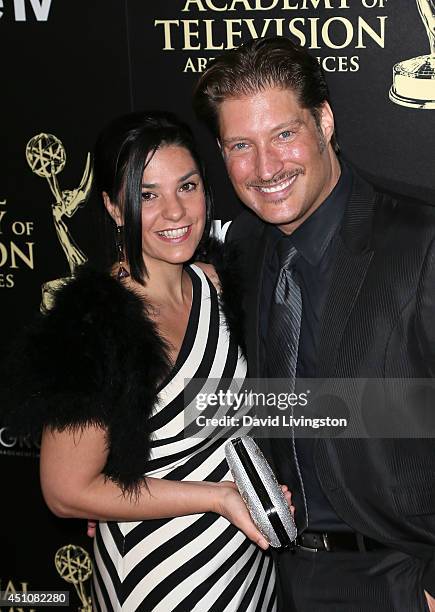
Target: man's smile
{"x": 276, "y": 187}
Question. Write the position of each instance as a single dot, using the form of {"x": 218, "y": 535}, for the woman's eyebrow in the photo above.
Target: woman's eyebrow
{"x": 180, "y": 180}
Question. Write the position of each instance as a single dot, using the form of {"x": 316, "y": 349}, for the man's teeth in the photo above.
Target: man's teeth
{"x": 174, "y": 233}
{"x": 278, "y": 187}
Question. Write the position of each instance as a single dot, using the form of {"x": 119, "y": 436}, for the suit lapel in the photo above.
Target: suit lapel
{"x": 347, "y": 279}
{"x": 352, "y": 262}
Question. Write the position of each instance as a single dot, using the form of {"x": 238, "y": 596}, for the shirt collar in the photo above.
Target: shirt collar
{"x": 312, "y": 237}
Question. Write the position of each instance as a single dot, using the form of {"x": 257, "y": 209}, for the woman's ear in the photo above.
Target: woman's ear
{"x": 113, "y": 209}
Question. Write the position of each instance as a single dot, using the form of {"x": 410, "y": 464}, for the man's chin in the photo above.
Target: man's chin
{"x": 281, "y": 213}
{"x": 270, "y": 213}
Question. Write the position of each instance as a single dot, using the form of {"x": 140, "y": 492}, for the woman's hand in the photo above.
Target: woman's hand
{"x": 430, "y": 602}
{"x": 211, "y": 273}
{"x": 288, "y": 497}
{"x": 91, "y": 529}
{"x": 233, "y": 508}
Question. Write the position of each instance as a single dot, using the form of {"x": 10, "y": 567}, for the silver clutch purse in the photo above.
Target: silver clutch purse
{"x": 261, "y": 492}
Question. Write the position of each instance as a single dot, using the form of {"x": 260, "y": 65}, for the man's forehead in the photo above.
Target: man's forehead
{"x": 291, "y": 124}
{"x": 271, "y": 108}
{"x": 272, "y": 95}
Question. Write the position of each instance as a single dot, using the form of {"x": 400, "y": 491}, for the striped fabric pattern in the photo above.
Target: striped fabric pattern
{"x": 200, "y": 562}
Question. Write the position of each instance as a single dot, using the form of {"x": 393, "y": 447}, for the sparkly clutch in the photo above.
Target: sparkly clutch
{"x": 260, "y": 491}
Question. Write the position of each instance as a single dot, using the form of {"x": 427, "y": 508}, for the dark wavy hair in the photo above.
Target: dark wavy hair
{"x": 122, "y": 152}
{"x": 254, "y": 66}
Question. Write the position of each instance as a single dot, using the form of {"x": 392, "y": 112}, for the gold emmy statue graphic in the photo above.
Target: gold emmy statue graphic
{"x": 46, "y": 156}
{"x": 74, "y": 565}
{"x": 414, "y": 79}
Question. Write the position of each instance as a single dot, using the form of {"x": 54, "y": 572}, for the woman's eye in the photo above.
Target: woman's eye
{"x": 147, "y": 196}
{"x": 191, "y": 186}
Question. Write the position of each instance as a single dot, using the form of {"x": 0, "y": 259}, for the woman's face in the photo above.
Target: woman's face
{"x": 173, "y": 206}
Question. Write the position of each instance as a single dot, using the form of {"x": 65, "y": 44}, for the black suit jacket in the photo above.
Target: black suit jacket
{"x": 378, "y": 322}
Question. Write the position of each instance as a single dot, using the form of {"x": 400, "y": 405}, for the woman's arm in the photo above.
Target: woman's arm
{"x": 74, "y": 486}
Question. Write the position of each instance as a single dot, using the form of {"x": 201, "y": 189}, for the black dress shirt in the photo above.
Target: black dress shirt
{"x": 315, "y": 241}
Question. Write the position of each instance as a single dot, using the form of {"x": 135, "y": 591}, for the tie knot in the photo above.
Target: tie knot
{"x": 287, "y": 254}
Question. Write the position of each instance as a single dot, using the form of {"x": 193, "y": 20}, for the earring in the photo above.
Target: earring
{"x": 122, "y": 272}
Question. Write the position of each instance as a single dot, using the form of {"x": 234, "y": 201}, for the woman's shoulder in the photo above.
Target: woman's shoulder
{"x": 94, "y": 301}
{"x": 89, "y": 288}
{"x": 210, "y": 272}
{"x": 219, "y": 262}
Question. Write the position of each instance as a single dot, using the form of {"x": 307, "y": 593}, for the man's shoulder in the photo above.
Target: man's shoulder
{"x": 400, "y": 211}
{"x": 394, "y": 217}
{"x": 404, "y": 200}
{"x": 245, "y": 228}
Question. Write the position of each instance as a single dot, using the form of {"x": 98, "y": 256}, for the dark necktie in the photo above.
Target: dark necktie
{"x": 285, "y": 319}
{"x": 282, "y": 354}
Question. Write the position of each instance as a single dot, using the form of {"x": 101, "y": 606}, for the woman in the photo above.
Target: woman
{"x": 110, "y": 368}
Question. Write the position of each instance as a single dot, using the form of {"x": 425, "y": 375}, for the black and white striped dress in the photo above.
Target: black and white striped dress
{"x": 198, "y": 562}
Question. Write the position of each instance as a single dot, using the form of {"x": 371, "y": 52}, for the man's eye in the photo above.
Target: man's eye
{"x": 239, "y": 146}
{"x": 191, "y": 186}
{"x": 286, "y": 134}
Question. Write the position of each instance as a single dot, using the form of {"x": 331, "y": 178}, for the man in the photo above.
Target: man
{"x": 360, "y": 270}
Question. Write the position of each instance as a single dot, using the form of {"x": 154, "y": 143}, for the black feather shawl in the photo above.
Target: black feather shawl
{"x": 95, "y": 358}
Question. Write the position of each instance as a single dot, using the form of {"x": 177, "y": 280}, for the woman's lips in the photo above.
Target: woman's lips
{"x": 175, "y": 235}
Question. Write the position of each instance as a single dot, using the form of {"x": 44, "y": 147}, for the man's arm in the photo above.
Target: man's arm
{"x": 425, "y": 329}
{"x": 425, "y": 320}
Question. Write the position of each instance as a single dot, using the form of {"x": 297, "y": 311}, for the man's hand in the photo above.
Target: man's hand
{"x": 430, "y": 601}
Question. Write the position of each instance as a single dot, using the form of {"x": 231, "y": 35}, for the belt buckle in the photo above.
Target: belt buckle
{"x": 306, "y": 548}
{"x": 321, "y": 538}
{"x": 311, "y": 550}
{"x": 326, "y": 542}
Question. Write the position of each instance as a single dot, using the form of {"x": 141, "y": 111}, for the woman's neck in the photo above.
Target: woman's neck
{"x": 166, "y": 284}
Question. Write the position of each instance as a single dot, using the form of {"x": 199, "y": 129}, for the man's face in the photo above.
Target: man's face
{"x": 279, "y": 160}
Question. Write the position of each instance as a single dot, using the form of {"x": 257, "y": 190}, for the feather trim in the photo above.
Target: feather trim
{"x": 95, "y": 358}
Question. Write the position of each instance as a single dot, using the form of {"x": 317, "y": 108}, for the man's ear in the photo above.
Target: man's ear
{"x": 113, "y": 209}
{"x": 220, "y": 147}
{"x": 327, "y": 122}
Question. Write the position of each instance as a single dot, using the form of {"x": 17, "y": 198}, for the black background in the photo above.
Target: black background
{"x": 91, "y": 61}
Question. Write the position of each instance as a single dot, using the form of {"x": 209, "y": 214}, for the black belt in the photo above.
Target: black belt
{"x": 336, "y": 541}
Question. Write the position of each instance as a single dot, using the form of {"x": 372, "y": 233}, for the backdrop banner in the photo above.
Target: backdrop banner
{"x": 69, "y": 67}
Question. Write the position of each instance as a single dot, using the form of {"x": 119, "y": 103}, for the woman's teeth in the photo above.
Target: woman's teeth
{"x": 174, "y": 233}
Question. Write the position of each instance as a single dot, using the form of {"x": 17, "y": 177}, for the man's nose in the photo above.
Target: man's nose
{"x": 269, "y": 163}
